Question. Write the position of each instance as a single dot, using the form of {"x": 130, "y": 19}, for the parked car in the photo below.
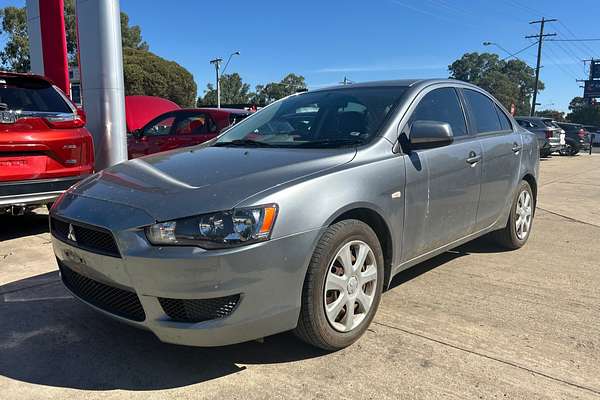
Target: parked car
{"x": 548, "y": 134}
{"x": 595, "y": 132}
{"x": 276, "y": 225}
{"x": 576, "y": 138}
{"x": 181, "y": 128}
{"x": 44, "y": 146}
{"x": 139, "y": 110}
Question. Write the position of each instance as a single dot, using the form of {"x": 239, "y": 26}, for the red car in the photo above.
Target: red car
{"x": 44, "y": 147}
{"x": 181, "y": 128}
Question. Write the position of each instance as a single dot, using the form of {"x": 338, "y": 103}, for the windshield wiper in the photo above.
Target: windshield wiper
{"x": 242, "y": 143}
{"x": 331, "y": 142}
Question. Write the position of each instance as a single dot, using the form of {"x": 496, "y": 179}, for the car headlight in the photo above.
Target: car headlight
{"x": 216, "y": 230}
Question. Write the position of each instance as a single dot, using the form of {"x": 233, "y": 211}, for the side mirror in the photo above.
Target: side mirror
{"x": 138, "y": 134}
{"x": 429, "y": 134}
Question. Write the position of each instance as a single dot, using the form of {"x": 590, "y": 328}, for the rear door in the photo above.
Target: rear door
{"x": 501, "y": 155}
{"x": 442, "y": 184}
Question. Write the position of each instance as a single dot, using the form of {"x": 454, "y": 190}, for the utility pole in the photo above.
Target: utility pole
{"x": 540, "y": 39}
{"x": 217, "y": 63}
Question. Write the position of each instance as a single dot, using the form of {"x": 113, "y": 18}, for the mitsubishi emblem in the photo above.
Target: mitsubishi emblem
{"x": 71, "y": 234}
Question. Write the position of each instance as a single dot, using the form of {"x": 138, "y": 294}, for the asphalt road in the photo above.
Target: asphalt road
{"x": 474, "y": 323}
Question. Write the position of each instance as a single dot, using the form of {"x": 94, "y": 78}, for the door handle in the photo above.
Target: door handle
{"x": 473, "y": 158}
{"x": 516, "y": 148}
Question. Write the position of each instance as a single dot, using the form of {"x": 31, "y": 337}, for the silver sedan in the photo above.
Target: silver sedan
{"x": 298, "y": 217}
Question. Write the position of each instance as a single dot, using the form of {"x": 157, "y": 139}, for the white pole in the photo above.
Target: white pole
{"x": 103, "y": 89}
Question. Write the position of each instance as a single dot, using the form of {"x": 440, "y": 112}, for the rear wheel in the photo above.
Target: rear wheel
{"x": 342, "y": 287}
{"x": 516, "y": 232}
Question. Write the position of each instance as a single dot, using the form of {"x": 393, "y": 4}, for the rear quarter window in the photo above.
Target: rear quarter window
{"x": 19, "y": 94}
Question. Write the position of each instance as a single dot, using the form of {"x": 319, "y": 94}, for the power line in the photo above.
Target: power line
{"x": 575, "y": 40}
{"x": 574, "y": 36}
{"x": 555, "y": 60}
{"x": 519, "y": 52}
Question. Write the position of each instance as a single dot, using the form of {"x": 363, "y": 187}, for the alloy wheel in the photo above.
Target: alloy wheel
{"x": 350, "y": 286}
{"x": 524, "y": 213}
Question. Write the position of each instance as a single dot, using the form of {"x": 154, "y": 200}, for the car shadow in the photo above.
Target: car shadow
{"x": 13, "y": 227}
{"x": 50, "y": 338}
{"x": 481, "y": 245}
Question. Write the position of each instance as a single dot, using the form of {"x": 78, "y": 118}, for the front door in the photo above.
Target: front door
{"x": 195, "y": 128}
{"x": 156, "y": 136}
{"x": 442, "y": 184}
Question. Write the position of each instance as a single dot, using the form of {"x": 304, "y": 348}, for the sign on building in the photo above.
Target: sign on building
{"x": 595, "y": 69}
{"x": 592, "y": 89}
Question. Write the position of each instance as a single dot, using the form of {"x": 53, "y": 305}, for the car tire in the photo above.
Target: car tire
{"x": 516, "y": 232}
{"x": 324, "y": 286}
{"x": 545, "y": 153}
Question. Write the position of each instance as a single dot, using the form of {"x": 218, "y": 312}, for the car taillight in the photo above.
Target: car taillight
{"x": 548, "y": 133}
{"x": 581, "y": 133}
{"x": 66, "y": 121}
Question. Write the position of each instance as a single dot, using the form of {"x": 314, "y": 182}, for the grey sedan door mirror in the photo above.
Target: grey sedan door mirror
{"x": 428, "y": 134}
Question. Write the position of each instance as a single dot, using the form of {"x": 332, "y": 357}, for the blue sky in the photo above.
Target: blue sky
{"x": 364, "y": 40}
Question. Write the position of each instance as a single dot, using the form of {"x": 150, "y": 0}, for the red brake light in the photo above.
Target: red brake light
{"x": 67, "y": 121}
{"x": 548, "y": 133}
{"x": 581, "y": 133}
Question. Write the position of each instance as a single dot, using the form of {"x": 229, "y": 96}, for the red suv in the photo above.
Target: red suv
{"x": 181, "y": 128}
{"x": 44, "y": 147}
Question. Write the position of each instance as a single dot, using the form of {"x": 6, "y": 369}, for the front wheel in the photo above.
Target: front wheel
{"x": 516, "y": 232}
{"x": 342, "y": 287}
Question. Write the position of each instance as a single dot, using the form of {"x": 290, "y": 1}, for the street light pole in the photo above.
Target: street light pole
{"x": 217, "y": 63}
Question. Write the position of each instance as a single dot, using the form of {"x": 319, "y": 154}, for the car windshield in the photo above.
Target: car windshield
{"x": 328, "y": 118}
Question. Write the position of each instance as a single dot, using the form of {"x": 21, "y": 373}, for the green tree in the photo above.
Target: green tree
{"x": 233, "y": 91}
{"x": 554, "y": 114}
{"x": 15, "y": 55}
{"x": 511, "y": 82}
{"x": 148, "y": 74}
{"x": 583, "y": 113}
{"x": 290, "y": 84}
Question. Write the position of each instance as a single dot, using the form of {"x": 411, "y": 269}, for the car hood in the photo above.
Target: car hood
{"x": 188, "y": 182}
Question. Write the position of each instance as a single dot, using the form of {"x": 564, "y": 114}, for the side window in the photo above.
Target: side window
{"x": 161, "y": 127}
{"x": 196, "y": 124}
{"x": 441, "y": 105}
{"x": 504, "y": 121}
{"x": 523, "y": 123}
{"x": 483, "y": 111}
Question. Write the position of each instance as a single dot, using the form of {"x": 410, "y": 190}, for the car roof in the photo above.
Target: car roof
{"x": 394, "y": 83}
{"x": 218, "y": 110}
{"x": 8, "y": 74}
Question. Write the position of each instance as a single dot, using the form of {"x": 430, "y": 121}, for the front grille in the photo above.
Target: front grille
{"x": 94, "y": 239}
{"x": 199, "y": 310}
{"x": 116, "y": 301}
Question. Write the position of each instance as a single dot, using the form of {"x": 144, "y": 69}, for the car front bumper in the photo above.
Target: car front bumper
{"x": 268, "y": 277}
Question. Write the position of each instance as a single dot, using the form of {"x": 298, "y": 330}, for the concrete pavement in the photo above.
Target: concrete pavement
{"x": 472, "y": 323}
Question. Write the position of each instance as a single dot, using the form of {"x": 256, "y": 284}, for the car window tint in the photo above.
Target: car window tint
{"x": 485, "y": 117}
{"x": 197, "y": 124}
{"x": 161, "y": 127}
{"x": 441, "y": 105}
{"x": 18, "y": 93}
{"x": 504, "y": 121}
